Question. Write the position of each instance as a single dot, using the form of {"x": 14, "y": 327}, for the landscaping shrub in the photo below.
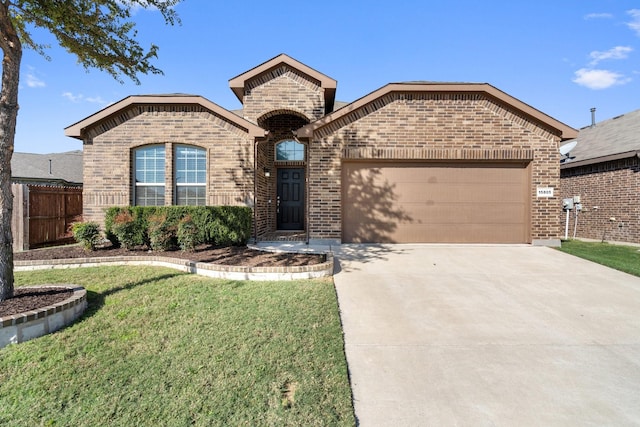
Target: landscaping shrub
{"x": 188, "y": 235}
{"x": 87, "y": 233}
{"x": 162, "y": 234}
{"x": 127, "y": 229}
{"x": 215, "y": 225}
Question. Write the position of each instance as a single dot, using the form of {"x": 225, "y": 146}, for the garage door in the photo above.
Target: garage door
{"x": 435, "y": 203}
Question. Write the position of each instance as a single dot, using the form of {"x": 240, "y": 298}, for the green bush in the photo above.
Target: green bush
{"x": 188, "y": 235}
{"x": 214, "y": 225}
{"x": 87, "y": 233}
{"x": 162, "y": 234}
{"x": 127, "y": 229}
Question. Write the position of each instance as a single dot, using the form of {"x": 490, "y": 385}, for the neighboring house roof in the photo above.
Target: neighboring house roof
{"x": 566, "y": 132}
{"x": 612, "y": 139}
{"x": 76, "y": 130}
{"x": 58, "y": 168}
{"x": 329, "y": 85}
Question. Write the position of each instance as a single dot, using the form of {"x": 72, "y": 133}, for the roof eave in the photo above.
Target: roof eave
{"x": 77, "y": 130}
{"x": 565, "y": 131}
{"x": 601, "y": 159}
{"x": 237, "y": 83}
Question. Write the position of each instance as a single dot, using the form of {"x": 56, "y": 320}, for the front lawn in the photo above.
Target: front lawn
{"x": 623, "y": 258}
{"x": 163, "y": 348}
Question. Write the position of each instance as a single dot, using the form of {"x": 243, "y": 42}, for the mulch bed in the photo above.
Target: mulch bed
{"x": 26, "y": 299}
{"x": 231, "y": 255}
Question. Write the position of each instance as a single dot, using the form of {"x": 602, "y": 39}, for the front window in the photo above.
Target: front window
{"x": 290, "y": 151}
{"x": 191, "y": 175}
{"x": 149, "y": 173}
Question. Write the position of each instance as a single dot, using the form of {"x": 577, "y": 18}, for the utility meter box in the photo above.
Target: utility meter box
{"x": 576, "y": 199}
{"x": 567, "y": 204}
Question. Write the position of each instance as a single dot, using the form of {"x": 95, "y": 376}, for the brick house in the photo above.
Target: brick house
{"x": 604, "y": 171}
{"x": 409, "y": 162}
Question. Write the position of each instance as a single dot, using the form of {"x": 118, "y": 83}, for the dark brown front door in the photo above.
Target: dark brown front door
{"x": 290, "y": 202}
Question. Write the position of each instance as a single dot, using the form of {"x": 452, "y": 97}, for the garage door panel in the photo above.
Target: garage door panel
{"x": 452, "y": 213}
{"x": 432, "y": 202}
{"x": 472, "y": 192}
{"x": 455, "y": 233}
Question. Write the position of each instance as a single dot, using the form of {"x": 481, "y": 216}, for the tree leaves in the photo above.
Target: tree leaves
{"x": 99, "y": 33}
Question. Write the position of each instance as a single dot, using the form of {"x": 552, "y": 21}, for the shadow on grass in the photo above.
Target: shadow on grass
{"x": 95, "y": 300}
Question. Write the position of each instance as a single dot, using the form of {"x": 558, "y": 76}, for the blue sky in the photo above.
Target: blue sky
{"x": 561, "y": 57}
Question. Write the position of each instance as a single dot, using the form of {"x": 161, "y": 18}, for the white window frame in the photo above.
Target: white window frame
{"x": 177, "y": 184}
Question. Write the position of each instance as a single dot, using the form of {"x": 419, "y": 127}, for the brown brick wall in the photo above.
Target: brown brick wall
{"x": 431, "y": 126}
{"x": 607, "y": 190}
{"x": 108, "y": 179}
{"x": 283, "y": 88}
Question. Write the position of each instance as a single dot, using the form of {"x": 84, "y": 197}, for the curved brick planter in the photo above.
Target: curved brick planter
{"x": 204, "y": 269}
{"x": 33, "y": 324}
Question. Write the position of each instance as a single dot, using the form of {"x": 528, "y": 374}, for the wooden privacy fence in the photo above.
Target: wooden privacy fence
{"x": 42, "y": 215}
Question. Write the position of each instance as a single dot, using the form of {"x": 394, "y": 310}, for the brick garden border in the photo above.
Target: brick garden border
{"x": 25, "y": 326}
{"x": 231, "y": 272}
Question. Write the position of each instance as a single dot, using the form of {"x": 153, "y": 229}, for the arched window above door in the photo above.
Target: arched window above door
{"x": 289, "y": 151}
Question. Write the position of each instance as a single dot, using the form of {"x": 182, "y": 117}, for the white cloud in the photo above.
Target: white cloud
{"x": 95, "y": 100}
{"x": 76, "y": 98}
{"x": 599, "y": 79}
{"x": 32, "y": 81}
{"x": 618, "y": 52}
{"x": 598, "y": 16}
{"x": 73, "y": 98}
{"x": 635, "y": 22}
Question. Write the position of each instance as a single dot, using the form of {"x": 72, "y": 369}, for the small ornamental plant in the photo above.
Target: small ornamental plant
{"x": 87, "y": 234}
{"x": 188, "y": 234}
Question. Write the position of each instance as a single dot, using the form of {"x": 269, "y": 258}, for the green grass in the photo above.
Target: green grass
{"x": 623, "y": 258}
{"x": 162, "y": 348}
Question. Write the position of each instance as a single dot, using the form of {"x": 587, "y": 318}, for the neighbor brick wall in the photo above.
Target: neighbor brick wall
{"x": 614, "y": 188}
{"x": 431, "y": 126}
{"x": 108, "y": 174}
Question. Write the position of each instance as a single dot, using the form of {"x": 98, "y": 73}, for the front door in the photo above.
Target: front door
{"x": 290, "y": 201}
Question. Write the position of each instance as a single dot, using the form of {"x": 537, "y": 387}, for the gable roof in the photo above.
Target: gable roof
{"x": 611, "y": 139}
{"x": 76, "y": 130}
{"x": 565, "y": 131}
{"x": 63, "y": 168}
{"x": 329, "y": 85}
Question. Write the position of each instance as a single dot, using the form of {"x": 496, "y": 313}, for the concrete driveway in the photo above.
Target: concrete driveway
{"x": 440, "y": 335}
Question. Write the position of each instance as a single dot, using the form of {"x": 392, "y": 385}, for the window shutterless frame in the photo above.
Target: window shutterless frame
{"x": 149, "y": 175}
{"x": 190, "y": 175}
{"x": 289, "y": 151}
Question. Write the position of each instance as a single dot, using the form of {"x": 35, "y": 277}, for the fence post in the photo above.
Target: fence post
{"x": 20, "y": 217}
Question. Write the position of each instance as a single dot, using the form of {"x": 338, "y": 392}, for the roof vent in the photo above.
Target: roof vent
{"x": 593, "y": 116}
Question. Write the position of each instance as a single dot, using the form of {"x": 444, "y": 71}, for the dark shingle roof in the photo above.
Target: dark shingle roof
{"x": 55, "y": 167}
{"x": 608, "y": 138}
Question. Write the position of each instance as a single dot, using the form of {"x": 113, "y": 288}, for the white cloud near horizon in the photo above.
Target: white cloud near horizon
{"x": 618, "y": 52}
{"x": 76, "y": 98}
{"x": 634, "y": 25}
{"x": 598, "y": 16}
{"x": 599, "y": 79}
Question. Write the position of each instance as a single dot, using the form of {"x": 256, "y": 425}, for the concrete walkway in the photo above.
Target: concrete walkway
{"x": 440, "y": 335}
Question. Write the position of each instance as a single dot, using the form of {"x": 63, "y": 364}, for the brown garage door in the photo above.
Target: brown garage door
{"x": 435, "y": 202}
